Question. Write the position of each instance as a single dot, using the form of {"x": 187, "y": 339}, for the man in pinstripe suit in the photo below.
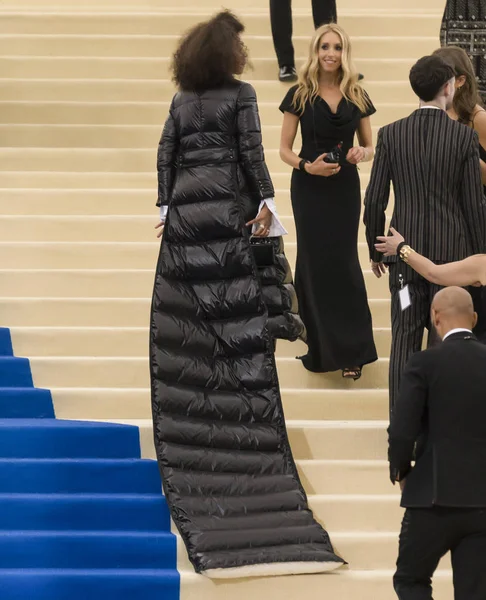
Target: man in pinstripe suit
{"x": 433, "y": 163}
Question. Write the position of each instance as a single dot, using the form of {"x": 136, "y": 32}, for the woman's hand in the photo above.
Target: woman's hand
{"x": 263, "y": 221}
{"x": 321, "y": 168}
{"x": 388, "y": 244}
{"x": 161, "y": 227}
{"x": 356, "y": 155}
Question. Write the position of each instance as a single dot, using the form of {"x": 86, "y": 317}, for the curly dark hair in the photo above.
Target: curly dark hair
{"x": 210, "y": 54}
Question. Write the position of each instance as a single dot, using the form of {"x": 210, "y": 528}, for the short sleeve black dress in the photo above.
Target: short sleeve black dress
{"x": 329, "y": 280}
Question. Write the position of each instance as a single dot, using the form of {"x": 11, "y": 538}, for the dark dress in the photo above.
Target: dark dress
{"x": 464, "y": 25}
{"x": 329, "y": 282}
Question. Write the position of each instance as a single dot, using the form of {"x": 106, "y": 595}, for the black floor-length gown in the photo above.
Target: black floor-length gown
{"x": 464, "y": 25}
{"x": 329, "y": 280}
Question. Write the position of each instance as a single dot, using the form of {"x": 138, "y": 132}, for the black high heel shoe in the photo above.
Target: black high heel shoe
{"x": 353, "y": 373}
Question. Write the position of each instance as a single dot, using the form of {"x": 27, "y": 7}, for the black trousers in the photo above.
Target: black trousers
{"x": 323, "y": 11}
{"x": 427, "y": 535}
{"x": 408, "y": 326}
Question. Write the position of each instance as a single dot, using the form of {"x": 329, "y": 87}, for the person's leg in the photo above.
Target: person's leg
{"x": 281, "y": 21}
{"x": 423, "y": 542}
{"x": 324, "y": 11}
{"x": 407, "y": 327}
{"x": 468, "y": 560}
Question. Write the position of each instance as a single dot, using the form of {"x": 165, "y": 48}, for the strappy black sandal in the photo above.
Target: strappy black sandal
{"x": 352, "y": 373}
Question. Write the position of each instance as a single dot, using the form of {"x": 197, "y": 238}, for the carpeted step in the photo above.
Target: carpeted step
{"x": 65, "y": 476}
{"x": 5, "y": 342}
{"x": 93, "y": 512}
{"x": 15, "y": 372}
{"x": 53, "y": 438}
{"x": 106, "y": 584}
{"x": 25, "y": 403}
{"x": 87, "y": 550}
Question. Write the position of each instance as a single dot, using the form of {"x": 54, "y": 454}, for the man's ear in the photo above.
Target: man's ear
{"x": 475, "y": 320}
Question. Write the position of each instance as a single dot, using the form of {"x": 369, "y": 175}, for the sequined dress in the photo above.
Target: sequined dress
{"x": 464, "y": 25}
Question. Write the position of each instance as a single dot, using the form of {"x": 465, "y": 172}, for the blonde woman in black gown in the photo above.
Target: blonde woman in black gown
{"x": 331, "y": 107}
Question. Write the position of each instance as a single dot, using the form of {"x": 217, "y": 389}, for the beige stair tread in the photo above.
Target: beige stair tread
{"x": 134, "y": 403}
{"x": 166, "y": 22}
{"x": 106, "y": 312}
{"x": 102, "y": 283}
{"x": 143, "y": 113}
{"x": 119, "y": 341}
{"x": 102, "y": 201}
{"x": 365, "y": 440}
{"x": 365, "y": 551}
{"x": 161, "y": 45}
{"x": 143, "y": 5}
{"x": 149, "y": 90}
{"x": 106, "y": 180}
{"x": 63, "y": 371}
{"x": 344, "y": 584}
{"x": 98, "y": 228}
{"x": 154, "y": 68}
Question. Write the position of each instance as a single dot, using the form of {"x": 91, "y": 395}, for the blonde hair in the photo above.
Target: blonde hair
{"x": 308, "y": 85}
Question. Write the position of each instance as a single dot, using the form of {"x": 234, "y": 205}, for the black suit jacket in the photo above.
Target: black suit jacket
{"x": 440, "y": 415}
{"x": 433, "y": 163}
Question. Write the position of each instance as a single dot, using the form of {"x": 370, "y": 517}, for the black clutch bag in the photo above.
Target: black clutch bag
{"x": 335, "y": 155}
{"x": 263, "y": 250}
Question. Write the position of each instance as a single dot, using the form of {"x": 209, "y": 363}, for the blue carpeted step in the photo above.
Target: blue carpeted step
{"x": 87, "y": 550}
{"x": 53, "y": 438}
{"x": 115, "y": 584}
{"x": 5, "y": 342}
{"x": 55, "y": 476}
{"x": 25, "y": 403}
{"x": 15, "y": 372}
{"x": 93, "y": 512}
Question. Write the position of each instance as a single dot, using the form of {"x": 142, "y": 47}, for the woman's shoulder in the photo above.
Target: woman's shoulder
{"x": 478, "y": 118}
{"x": 362, "y": 102}
{"x": 245, "y": 89}
{"x": 287, "y": 104}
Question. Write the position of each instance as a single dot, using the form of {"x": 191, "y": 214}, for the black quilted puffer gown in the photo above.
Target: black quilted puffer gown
{"x": 226, "y": 465}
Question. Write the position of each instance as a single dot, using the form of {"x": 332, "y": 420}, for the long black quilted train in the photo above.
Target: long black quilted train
{"x": 226, "y": 465}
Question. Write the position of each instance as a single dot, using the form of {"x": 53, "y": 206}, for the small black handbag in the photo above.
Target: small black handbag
{"x": 264, "y": 250}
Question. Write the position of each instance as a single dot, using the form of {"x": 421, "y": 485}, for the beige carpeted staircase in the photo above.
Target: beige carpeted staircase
{"x": 84, "y": 92}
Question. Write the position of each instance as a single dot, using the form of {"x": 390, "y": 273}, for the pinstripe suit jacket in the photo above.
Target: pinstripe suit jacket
{"x": 433, "y": 163}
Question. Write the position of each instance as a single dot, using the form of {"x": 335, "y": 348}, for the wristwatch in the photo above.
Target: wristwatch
{"x": 302, "y": 164}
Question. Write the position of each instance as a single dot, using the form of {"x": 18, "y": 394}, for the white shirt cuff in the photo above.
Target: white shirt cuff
{"x": 163, "y": 212}
{"x": 276, "y": 228}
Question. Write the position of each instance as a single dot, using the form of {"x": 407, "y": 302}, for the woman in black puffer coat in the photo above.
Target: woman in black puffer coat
{"x": 227, "y": 468}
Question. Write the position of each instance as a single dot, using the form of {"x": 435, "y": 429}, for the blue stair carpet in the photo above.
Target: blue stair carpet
{"x": 82, "y": 516}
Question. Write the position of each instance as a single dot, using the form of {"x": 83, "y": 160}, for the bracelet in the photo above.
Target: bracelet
{"x": 302, "y": 164}
{"x": 405, "y": 253}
